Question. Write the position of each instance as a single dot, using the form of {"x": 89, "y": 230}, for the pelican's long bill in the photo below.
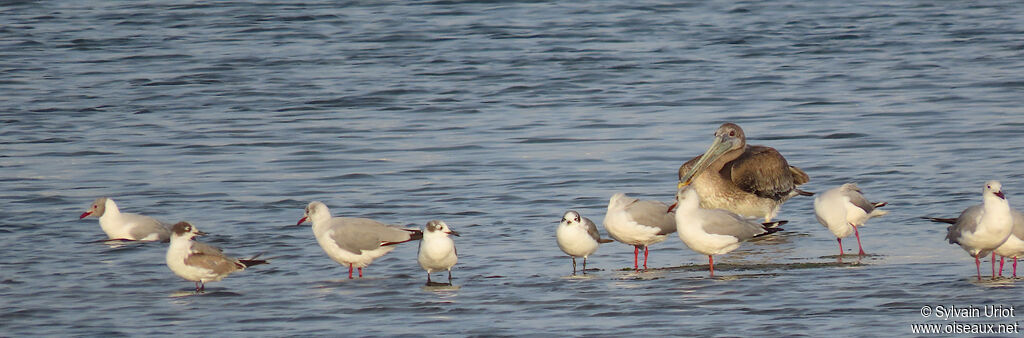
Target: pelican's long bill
{"x": 719, "y": 147}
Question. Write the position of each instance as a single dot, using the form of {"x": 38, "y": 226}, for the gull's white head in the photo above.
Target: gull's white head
{"x": 571, "y": 218}
{"x": 687, "y": 195}
{"x": 995, "y": 188}
{"x": 850, "y": 187}
{"x": 314, "y": 210}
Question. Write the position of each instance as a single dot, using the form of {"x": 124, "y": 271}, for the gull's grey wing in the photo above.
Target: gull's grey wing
{"x": 968, "y": 221}
{"x": 206, "y": 249}
{"x": 857, "y": 198}
{"x": 352, "y": 234}
{"x": 721, "y": 222}
{"x": 393, "y": 234}
{"x": 592, "y": 230}
{"x": 145, "y": 225}
{"x": 209, "y": 257}
{"x": 652, "y": 213}
{"x": 358, "y": 234}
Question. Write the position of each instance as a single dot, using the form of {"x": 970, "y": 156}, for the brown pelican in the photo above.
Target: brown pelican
{"x": 749, "y": 180}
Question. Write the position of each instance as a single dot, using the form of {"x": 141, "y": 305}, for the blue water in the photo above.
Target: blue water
{"x": 495, "y": 117}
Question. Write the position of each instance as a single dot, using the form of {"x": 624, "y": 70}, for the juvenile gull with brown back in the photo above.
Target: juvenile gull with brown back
{"x": 199, "y": 262}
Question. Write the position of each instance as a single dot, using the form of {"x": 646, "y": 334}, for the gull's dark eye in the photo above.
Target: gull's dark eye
{"x": 577, "y": 218}
{"x": 732, "y": 133}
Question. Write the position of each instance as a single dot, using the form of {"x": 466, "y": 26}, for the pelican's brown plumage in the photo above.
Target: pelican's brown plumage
{"x": 749, "y": 180}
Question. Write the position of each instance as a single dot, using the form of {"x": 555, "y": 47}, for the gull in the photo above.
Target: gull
{"x": 1014, "y": 245}
{"x": 198, "y": 262}
{"x": 714, "y": 231}
{"x": 749, "y": 180}
{"x": 980, "y": 229}
{"x": 126, "y": 226}
{"x": 354, "y": 242}
{"x": 843, "y": 209}
{"x": 639, "y": 223}
{"x": 437, "y": 250}
{"x": 578, "y": 237}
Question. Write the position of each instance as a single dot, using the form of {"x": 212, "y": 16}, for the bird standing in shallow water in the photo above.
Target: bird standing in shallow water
{"x": 577, "y": 236}
{"x": 354, "y": 242}
{"x": 749, "y": 180}
{"x": 714, "y": 231}
{"x": 1014, "y": 245}
{"x": 843, "y": 209}
{"x": 437, "y": 250}
{"x": 639, "y": 223}
{"x": 199, "y": 262}
{"x": 981, "y": 229}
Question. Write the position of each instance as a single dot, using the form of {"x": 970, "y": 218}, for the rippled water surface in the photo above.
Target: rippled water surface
{"x": 495, "y": 117}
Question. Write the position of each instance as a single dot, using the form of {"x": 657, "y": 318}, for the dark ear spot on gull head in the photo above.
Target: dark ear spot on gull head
{"x": 571, "y": 216}
{"x": 181, "y": 228}
{"x": 433, "y": 226}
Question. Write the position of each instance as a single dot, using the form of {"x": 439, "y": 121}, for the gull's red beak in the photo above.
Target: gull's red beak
{"x": 1000, "y": 194}
{"x": 85, "y": 214}
{"x": 673, "y": 206}
{"x": 300, "y": 221}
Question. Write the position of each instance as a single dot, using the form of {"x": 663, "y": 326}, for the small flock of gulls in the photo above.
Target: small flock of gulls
{"x": 720, "y": 199}
{"x": 354, "y": 242}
